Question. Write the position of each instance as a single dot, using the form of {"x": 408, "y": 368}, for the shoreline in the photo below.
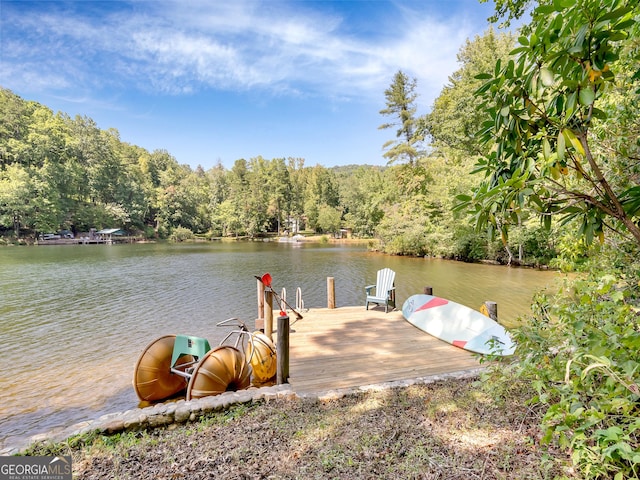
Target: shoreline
{"x": 371, "y": 243}
{"x": 448, "y": 428}
{"x": 166, "y": 414}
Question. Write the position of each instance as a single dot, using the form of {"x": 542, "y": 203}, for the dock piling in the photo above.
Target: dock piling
{"x": 268, "y": 313}
{"x": 492, "y": 310}
{"x": 331, "y": 293}
{"x": 260, "y": 319}
{"x": 282, "y": 350}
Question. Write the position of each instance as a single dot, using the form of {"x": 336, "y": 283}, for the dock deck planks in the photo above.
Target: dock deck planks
{"x": 350, "y": 347}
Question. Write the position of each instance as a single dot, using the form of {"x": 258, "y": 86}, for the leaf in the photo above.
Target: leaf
{"x": 545, "y": 9}
{"x": 599, "y": 114}
{"x": 546, "y": 76}
{"x": 509, "y": 70}
{"x": 616, "y": 14}
{"x": 483, "y": 88}
{"x": 518, "y": 50}
{"x": 587, "y": 96}
{"x": 561, "y": 146}
{"x": 570, "y": 137}
{"x": 580, "y": 37}
{"x": 625, "y": 24}
{"x": 571, "y": 103}
{"x": 546, "y": 149}
{"x": 630, "y": 200}
{"x": 575, "y": 141}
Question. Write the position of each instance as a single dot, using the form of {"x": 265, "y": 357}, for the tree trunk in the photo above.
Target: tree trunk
{"x": 601, "y": 184}
{"x": 16, "y": 225}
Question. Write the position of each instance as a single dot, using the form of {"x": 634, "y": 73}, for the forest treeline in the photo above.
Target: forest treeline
{"x": 64, "y": 173}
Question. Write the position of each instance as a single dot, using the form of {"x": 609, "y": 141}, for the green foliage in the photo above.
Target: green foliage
{"x": 455, "y": 117}
{"x": 63, "y": 172}
{"x": 559, "y": 144}
{"x": 410, "y": 242}
{"x": 512, "y": 9}
{"x": 400, "y": 99}
{"x": 320, "y": 192}
{"x": 181, "y": 234}
{"x": 535, "y": 244}
{"x": 363, "y": 193}
{"x": 471, "y": 247}
{"x": 57, "y": 172}
{"x": 579, "y": 354}
{"x": 564, "y": 145}
{"x": 329, "y": 219}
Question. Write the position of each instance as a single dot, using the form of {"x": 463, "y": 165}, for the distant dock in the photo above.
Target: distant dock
{"x": 350, "y": 347}
{"x": 87, "y": 241}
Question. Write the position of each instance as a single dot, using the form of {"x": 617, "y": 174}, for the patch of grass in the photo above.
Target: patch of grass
{"x": 223, "y": 417}
{"x": 444, "y": 430}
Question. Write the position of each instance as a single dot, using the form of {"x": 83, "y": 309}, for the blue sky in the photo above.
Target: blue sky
{"x": 217, "y": 81}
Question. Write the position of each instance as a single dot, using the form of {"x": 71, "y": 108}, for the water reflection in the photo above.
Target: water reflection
{"x": 73, "y": 319}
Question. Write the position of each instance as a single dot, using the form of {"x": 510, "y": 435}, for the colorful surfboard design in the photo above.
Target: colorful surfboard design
{"x": 459, "y": 325}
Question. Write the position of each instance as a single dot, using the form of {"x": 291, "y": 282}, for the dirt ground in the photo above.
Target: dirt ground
{"x": 447, "y": 430}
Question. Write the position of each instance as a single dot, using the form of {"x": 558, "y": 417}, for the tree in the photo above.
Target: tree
{"x": 218, "y": 192}
{"x": 400, "y": 100}
{"x": 558, "y": 143}
{"x": 280, "y": 189}
{"x": 321, "y": 190}
{"x": 329, "y": 219}
{"x": 235, "y": 208}
{"x": 362, "y": 194}
{"x": 16, "y": 193}
{"x": 15, "y": 117}
{"x": 456, "y": 118}
{"x": 297, "y": 177}
{"x": 182, "y": 200}
{"x": 257, "y": 197}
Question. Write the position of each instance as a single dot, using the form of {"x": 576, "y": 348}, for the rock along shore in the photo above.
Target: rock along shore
{"x": 182, "y": 411}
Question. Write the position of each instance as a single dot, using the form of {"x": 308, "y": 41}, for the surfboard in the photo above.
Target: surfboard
{"x": 458, "y": 325}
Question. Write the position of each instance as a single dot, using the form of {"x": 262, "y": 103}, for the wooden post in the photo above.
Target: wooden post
{"x": 492, "y": 310}
{"x": 428, "y": 291}
{"x": 260, "y": 319}
{"x": 331, "y": 293}
{"x": 268, "y": 313}
{"x": 282, "y": 350}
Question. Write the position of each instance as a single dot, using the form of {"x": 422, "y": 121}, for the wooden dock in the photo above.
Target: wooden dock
{"x": 350, "y": 347}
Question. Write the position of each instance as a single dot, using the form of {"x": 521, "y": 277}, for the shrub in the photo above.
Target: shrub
{"x": 471, "y": 247}
{"x": 180, "y": 234}
{"x": 579, "y": 353}
{"x": 407, "y": 243}
{"x": 149, "y": 232}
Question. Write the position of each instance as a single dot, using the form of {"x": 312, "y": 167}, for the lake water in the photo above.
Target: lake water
{"x": 74, "y": 319}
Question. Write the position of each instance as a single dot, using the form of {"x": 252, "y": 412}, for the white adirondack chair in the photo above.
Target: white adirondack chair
{"x": 385, "y": 290}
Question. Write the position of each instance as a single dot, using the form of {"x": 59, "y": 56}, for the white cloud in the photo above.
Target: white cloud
{"x": 186, "y": 46}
